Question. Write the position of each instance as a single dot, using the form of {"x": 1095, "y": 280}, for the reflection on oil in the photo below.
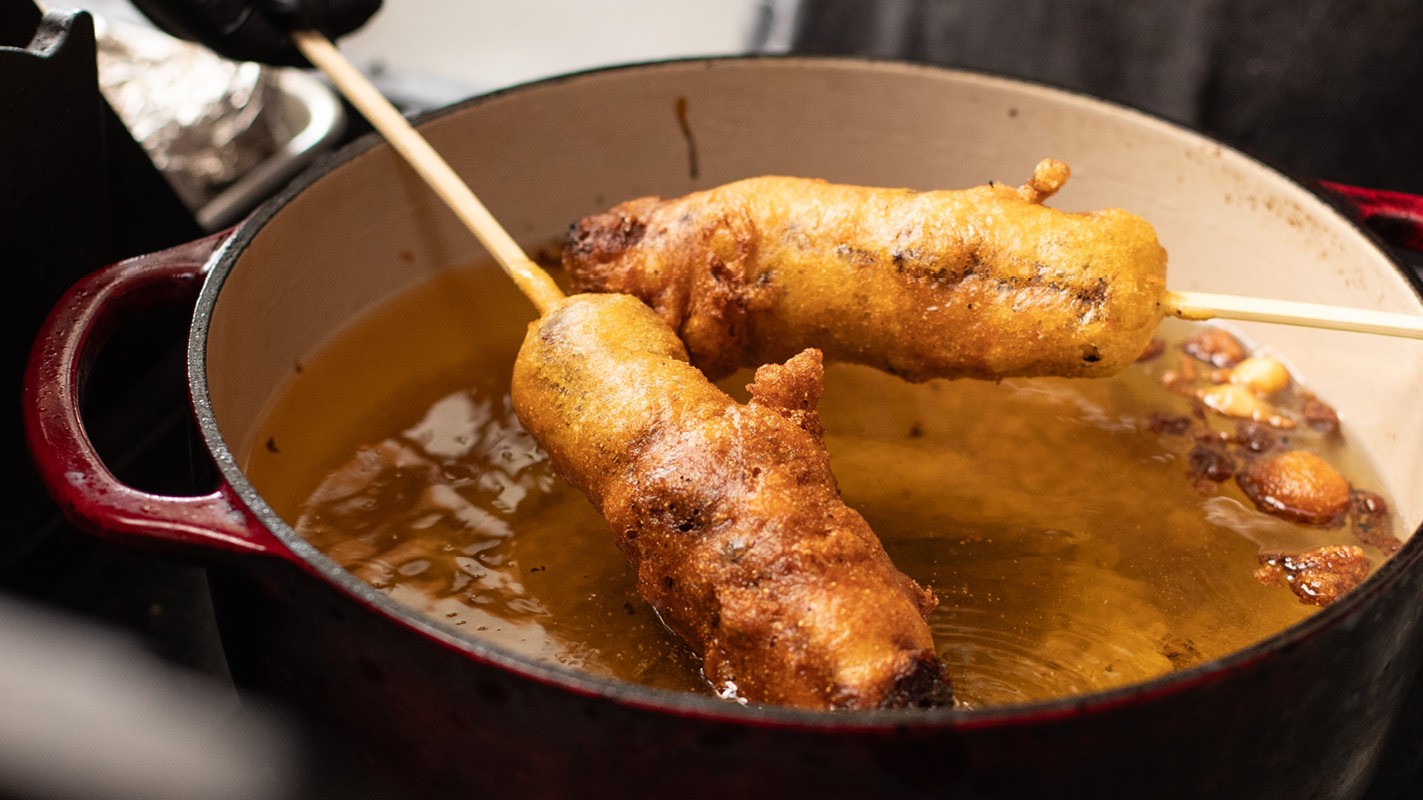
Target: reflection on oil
{"x": 1069, "y": 550}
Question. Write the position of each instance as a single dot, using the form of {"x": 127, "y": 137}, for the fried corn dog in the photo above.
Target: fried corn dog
{"x": 984, "y": 283}
{"x": 728, "y": 513}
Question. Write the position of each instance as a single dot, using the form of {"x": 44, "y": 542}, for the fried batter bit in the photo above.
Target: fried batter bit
{"x": 985, "y": 282}
{"x": 728, "y": 513}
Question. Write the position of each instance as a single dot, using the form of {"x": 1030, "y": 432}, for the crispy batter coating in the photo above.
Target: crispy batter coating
{"x": 1296, "y": 485}
{"x": 1317, "y": 577}
{"x": 728, "y": 512}
{"x": 986, "y": 282}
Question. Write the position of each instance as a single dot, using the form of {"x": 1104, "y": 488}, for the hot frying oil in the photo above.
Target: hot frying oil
{"x": 1069, "y": 549}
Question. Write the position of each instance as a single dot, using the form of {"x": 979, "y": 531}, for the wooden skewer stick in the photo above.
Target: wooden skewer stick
{"x": 531, "y": 279}
{"x": 541, "y": 290}
{"x": 1200, "y": 305}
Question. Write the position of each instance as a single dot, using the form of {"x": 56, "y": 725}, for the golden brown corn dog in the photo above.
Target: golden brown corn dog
{"x": 728, "y": 513}
{"x": 985, "y": 282}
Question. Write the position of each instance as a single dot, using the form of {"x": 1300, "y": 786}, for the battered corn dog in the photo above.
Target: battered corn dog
{"x": 728, "y": 513}
{"x": 984, "y": 283}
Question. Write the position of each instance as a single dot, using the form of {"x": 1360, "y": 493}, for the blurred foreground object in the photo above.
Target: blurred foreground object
{"x": 89, "y": 714}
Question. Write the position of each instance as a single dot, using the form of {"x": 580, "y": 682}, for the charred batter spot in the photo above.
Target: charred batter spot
{"x": 680, "y": 511}
{"x": 553, "y": 329}
{"x": 921, "y": 683}
{"x": 1012, "y": 284}
{"x": 692, "y": 522}
{"x": 720, "y": 272}
{"x": 916, "y": 265}
{"x": 1095, "y": 295}
{"x": 974, "y": 265}
{"x": 627, "y": 232}
{"x": 272, "y": 445}
{"x": 602, "y": 238}
{"x": 855, "y": 256}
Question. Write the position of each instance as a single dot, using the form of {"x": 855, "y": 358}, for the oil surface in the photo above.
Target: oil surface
{"x": 1069, "y": 549}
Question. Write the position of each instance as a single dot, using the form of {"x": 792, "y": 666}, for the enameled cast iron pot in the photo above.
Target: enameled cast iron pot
{"x": 1303, "y": 714}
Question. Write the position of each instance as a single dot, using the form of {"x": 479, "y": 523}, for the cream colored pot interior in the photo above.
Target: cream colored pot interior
{"x": 545, "y": 156}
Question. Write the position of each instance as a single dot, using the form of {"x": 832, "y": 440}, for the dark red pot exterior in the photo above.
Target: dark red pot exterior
{"x": 1301, "y": 722}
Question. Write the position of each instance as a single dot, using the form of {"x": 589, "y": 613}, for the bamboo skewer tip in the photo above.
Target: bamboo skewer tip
{"x": 1203, "y": 305}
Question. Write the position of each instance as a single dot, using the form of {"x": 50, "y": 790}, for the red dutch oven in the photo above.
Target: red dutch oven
{"x": 1302, "y": 714}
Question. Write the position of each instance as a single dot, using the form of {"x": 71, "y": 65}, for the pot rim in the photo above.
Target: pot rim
{"x": 686, "y": 704}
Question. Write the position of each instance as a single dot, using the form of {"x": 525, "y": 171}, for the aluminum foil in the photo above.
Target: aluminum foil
{"x": 203, "y": 120}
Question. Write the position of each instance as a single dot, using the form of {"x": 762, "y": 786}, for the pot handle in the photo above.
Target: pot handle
{"x": 70, "y": 468}
{"x": 1397, "y": 217}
